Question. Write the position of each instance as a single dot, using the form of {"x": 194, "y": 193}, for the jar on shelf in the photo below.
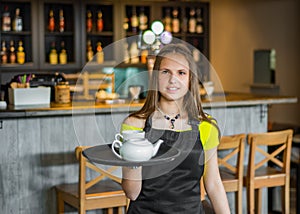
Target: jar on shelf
{"x": 62, "y": 93}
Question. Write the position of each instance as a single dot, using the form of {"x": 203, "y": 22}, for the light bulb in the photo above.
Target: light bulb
{"x": 149, "y": 37}
{"x": 157, "y": 27}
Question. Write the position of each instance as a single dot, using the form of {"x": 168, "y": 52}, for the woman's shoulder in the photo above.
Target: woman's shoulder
{"x": 209, "y": 134}
{"x": 207, "y": 124}
{"x": 134, "y": 122}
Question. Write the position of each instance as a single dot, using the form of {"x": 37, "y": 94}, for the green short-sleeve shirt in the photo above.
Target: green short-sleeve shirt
{"x": 209, "y": 134}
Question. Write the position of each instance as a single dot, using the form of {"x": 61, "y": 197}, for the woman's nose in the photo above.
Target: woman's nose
{"x": 173, "y": 78}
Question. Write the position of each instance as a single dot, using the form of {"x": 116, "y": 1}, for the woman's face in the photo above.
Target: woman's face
{"x": 173, "y": 77}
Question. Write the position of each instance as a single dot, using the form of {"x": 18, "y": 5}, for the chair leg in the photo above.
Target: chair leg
{"x": 110, "y": 211}
{"x": 239, "y": 201}
{"x": 60, "y": 204}
{"x": 250, "y": 199}
{"x": 120, "y": 210}
{"x": 259, "y": 201}
{"x": 286, "y": 199}
{"x": 81, "y": 207}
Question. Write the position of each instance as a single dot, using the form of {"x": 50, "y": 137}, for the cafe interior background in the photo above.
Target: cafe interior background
{"x": 237, "y": 30}
{"x": 240, "y": 27}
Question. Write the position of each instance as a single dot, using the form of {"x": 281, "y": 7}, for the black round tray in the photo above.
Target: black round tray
{"x": 103, "y": 154}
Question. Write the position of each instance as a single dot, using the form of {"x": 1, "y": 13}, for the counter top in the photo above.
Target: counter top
{"x": 229, "y": 99}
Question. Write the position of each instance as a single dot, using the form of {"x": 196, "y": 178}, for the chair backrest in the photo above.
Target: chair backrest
{"x": 258, "y": 142}
{"x": 84, "y": 165}
{"x": 233, "y": 159}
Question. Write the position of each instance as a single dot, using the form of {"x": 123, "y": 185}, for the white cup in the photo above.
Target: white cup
{"x": 129, "y": 134}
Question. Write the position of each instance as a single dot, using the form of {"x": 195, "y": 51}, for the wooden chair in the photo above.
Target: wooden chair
{"x": 97, "y": 193}
{"x": 261, "y": 175}
{"x": 231, "y": 166}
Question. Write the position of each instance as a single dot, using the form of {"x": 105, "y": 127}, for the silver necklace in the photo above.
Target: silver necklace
{"x": 167, "y": 117}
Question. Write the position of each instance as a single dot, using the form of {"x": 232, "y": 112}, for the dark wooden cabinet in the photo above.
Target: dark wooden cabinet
{"x": 69, "y": 36}
{"x": 28, "y": 36}
{"x": 37, "y": 38}
{"x": 100, "y": 28}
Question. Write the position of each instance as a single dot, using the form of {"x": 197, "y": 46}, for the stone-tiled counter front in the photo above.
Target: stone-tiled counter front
{"x": 37, "y": 144}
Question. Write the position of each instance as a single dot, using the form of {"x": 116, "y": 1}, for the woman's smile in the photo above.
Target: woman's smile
{"x": 173, "y": 89}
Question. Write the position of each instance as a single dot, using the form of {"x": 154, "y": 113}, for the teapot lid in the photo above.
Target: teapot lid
{"x": 139, "y": 141}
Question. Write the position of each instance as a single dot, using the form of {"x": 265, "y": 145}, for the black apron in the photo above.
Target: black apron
{"x": 174, "y": 187}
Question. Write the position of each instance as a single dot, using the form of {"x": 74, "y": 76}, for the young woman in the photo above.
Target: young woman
{"x": 173, "y": 112}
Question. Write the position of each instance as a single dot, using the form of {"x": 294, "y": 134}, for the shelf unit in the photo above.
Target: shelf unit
{"x": 106, "y": 35}
{"x": 70, "y": 35}
{"x": 37, "y": 39}
{"x": 28, "y": 36}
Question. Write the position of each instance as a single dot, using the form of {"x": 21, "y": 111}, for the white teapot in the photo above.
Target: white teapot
{"x": 136, "y": 149}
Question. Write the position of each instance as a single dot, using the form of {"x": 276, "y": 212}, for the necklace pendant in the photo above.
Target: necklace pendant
{"x": 172, "y": 120}
{"x": 172, "y": 123}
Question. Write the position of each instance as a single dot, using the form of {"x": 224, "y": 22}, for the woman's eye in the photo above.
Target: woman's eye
{"x": 164, "y": 72}
{"x": 182, "y": 73}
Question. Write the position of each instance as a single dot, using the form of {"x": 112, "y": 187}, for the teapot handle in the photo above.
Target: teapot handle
{"x": 119, "y": 145}
{"x": 119, "y": 137}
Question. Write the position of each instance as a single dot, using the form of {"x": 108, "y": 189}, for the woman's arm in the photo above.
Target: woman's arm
{"x": 132, "y": 182}
{"x": 213, "y": 183}
{"x": 132, "y": 177}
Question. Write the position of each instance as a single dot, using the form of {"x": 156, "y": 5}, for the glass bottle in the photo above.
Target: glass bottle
{"x": 63, "y": 54}
{"x": 3, "y": 53}
{"x": 126, "y": 53}
{"x": 168, "y": 20}
{"x": 100, "y": 54}
{"x": 143, "y": 20}
{"x": 12, "y": 53}
{"x": 17, "y": 22}
{"x": 134, "y": 53}
{"x": 53, "y": 55}
{"x": 175, "y": 21}
{"x": 192, "y": 21}
{"x": 126, "y": 23}
{"x": 61, "y": 21}
{"x": 89, "y": 21}
{"x": 199, "y": 21}
{"x": 134, "y": 21}
{"x": 89, "y": 52}
{"x": 196, "y": 53}
{"x": 144, "y": 55}
{"x": 6, "y": 20}
{"x": 100, "y": 21}
{"x": 21, "y": 53}
{"x": 51, "y": 22}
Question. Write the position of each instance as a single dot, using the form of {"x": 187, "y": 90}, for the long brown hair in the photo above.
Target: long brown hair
{"x": 192, "y": 100}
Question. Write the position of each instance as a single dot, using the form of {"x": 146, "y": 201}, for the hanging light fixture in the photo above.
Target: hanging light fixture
{"x": 155, "y": 38}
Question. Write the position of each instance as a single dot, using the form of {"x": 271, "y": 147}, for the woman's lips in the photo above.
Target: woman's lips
{"x": 172, "y": 89}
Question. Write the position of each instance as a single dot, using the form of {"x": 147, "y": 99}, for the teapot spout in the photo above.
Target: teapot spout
{"x": 156, "y": 147}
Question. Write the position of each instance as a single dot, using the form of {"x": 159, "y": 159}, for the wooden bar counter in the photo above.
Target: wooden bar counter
{"x": 37, "y": 144}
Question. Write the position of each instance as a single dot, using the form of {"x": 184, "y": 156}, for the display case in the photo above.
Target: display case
{"x": 137, "y": 18}
{"x": 59, "y": 36}
{"x": 187, "y": 22}
{"x": 109, "y": 21}
{"x": 97, "y": 27}
{"x": 17, "y": 35}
